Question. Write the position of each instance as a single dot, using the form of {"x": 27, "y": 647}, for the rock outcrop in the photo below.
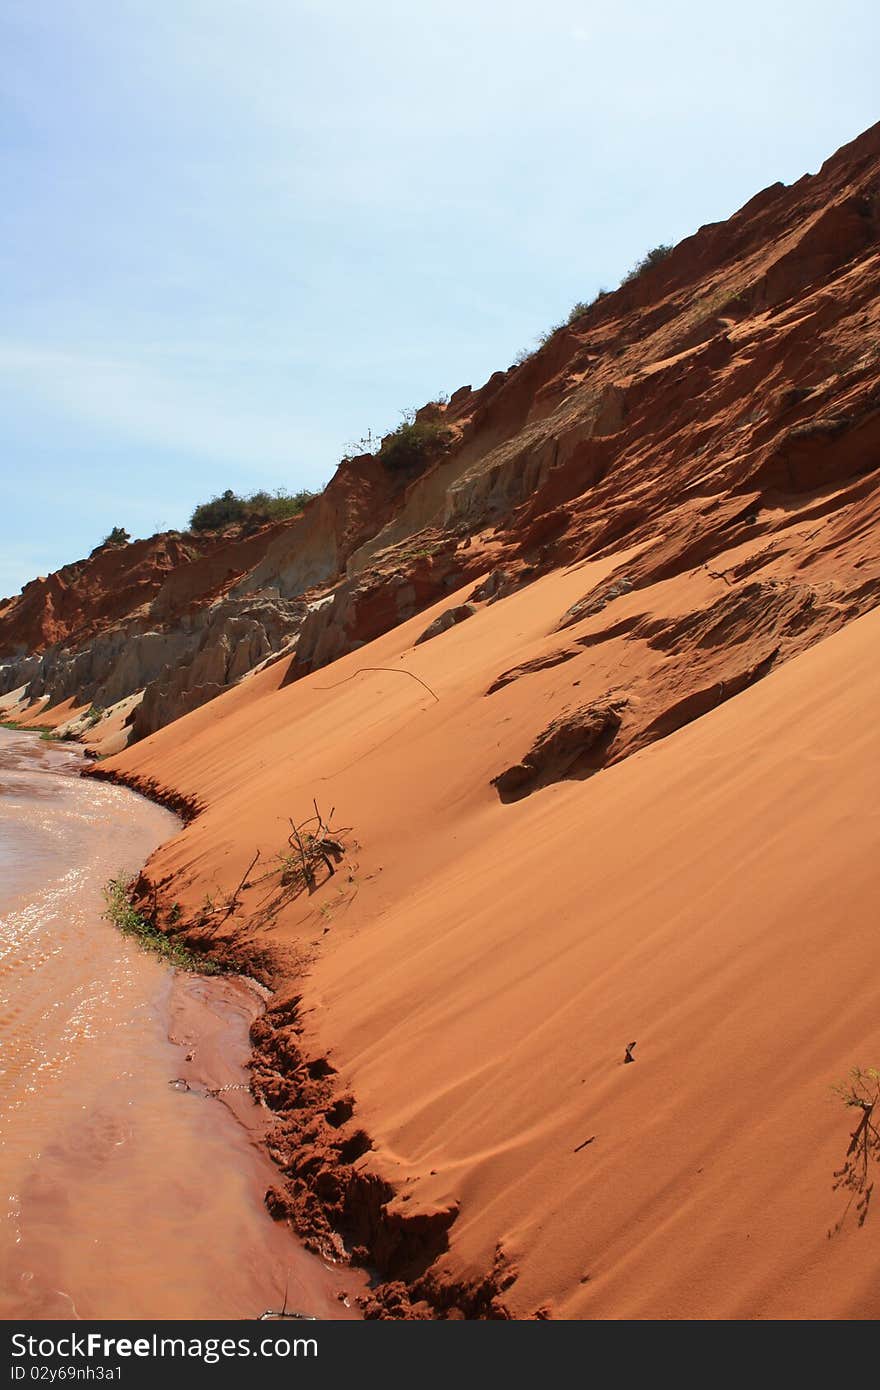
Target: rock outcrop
{"x": 575, "y": 744}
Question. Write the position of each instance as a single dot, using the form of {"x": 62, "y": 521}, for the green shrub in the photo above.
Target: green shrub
{"x": 648, "y": 261}
{"x": 583, "y": 305}
{"x": 541, "y": 341}
{"x": 577, "y": 311}
{"x": 543, "y": 338}
{"x": 118, "y": 536}
{"x": 414, "y": 444}
{"x": 231, "y": 509}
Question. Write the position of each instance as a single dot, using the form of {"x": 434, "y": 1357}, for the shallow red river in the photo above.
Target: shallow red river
{"x": 121, "y": 1195}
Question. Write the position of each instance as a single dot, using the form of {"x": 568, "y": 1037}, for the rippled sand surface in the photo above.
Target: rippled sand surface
{"x": 120, "y": 1195}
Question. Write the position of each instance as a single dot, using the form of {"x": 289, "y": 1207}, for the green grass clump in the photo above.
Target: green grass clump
{"x": 45, "y": 734}
{"x": 121, "y": 911}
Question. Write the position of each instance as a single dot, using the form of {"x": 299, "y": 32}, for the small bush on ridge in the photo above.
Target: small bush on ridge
{"x": 231, "y": 509}
{"x": 650, "y": 259}
{"x": 414, "y": 444}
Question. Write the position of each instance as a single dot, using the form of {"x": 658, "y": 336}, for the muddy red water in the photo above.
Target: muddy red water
{"x": 121, "y": 1195}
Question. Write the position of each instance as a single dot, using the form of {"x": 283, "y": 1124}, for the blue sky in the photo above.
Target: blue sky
{"x": 236, "y": 234}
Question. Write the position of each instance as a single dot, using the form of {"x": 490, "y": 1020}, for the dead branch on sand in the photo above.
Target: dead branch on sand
{"x": 243, "y": 882}
{"x": 862, "y": 1092}
{"x": 391, "y": 671}
{"x": 315, "y": 847}
{"x": 180, "y": 1083}
{"x": 273, "y": 1315}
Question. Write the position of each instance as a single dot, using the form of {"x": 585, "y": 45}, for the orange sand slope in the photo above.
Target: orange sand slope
{"x": 476, "y": 971}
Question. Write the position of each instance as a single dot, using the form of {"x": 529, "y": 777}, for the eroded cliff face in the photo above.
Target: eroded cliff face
{"x": 720, "y": 413}
{"x": 99, "y": 633}
{"x": 110, "y": 648}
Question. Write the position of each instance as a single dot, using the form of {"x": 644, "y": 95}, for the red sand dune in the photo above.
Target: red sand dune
{"x": 475, "y": 969}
